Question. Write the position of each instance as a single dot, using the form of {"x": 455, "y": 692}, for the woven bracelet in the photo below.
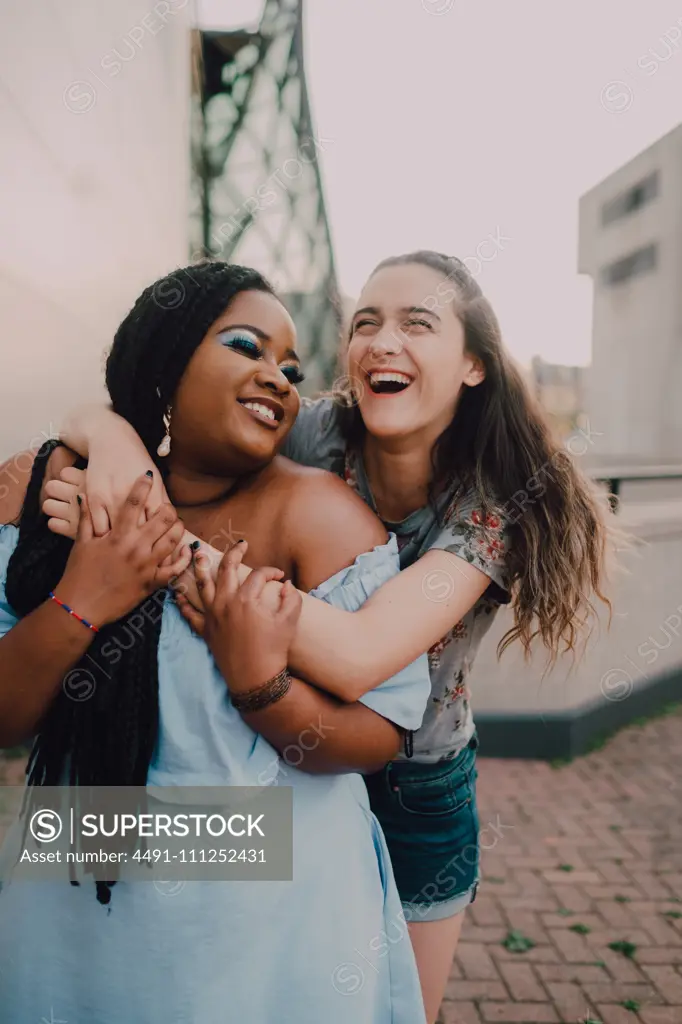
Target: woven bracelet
{"x": 262, "y": 696}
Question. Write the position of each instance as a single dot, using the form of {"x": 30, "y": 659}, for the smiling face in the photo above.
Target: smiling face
{"x": 407, "y": 349}
{"x": 237, "y": 399}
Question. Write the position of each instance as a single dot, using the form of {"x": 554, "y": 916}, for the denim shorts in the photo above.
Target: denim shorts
{"x": 429, "y": 817}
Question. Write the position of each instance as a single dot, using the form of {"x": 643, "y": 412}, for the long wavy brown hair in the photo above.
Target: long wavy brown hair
{"x": 500, "y": 444}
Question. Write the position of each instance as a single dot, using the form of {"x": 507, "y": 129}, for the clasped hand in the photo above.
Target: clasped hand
{"x": 249, "y": 635}
{"x": 107, "y": 576}
{"x": 248, "y": 628}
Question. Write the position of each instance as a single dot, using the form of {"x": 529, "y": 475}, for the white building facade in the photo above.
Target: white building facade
{"x": 94, "y": 190}
{"x": 631, "y": 246}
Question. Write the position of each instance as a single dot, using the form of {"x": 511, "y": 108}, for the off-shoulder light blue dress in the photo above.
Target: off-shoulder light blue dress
{"x": 331, "y": 947}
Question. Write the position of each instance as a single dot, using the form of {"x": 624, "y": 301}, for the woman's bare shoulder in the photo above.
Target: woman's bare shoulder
{"x": 302, "y": 485}
{"x": 325, "y": 524}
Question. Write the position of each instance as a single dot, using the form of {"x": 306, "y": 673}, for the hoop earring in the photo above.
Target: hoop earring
{"x": 164, "y": 448}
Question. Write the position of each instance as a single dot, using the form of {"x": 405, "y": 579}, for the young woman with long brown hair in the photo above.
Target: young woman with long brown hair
{"x": 443, "y": 440}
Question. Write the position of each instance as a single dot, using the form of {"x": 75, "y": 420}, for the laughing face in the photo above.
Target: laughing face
{"x": 407, "y": 349}
{"x": 237, "y": 399}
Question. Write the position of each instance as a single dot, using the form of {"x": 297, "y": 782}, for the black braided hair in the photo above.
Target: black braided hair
{"x": 109, "y": 738}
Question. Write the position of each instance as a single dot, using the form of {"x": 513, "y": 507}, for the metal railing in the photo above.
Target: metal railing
{"x": 613, "y": 477}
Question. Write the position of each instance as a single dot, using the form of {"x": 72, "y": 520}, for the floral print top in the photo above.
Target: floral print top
{"x": 458, "y": 525}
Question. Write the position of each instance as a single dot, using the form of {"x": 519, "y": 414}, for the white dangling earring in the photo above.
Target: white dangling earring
{"x": 164, "y": 448}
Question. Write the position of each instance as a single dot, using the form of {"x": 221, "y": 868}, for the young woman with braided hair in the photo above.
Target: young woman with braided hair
{"x": 168, "y": 709}
{"x": 443, "y": 441}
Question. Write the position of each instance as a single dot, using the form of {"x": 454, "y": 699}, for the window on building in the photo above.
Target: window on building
{"x": 638, "y": 262}
{"x": 633, "y": 199}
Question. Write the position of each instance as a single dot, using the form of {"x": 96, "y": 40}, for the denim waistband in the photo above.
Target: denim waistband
{"x": 413, "y": 770}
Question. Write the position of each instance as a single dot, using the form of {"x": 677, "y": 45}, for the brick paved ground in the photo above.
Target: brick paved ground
{"x": 593, "y": 856}
{"x": 577, "y": 858}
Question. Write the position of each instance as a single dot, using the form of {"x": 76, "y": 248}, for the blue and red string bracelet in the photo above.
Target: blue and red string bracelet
{"x": 67, "y": 608}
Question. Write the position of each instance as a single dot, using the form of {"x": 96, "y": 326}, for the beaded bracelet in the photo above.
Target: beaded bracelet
{"x": 70, "y": 610}
{"x": 262, "y": 696}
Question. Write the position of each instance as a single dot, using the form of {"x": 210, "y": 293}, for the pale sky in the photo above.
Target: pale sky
{"x": 454, "y": 121}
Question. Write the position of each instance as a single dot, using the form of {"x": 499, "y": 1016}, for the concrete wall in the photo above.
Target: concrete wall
{"x": 643, "y": 643}
{"x": 635, "y": 380}
{"x": 94, "y": 107}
